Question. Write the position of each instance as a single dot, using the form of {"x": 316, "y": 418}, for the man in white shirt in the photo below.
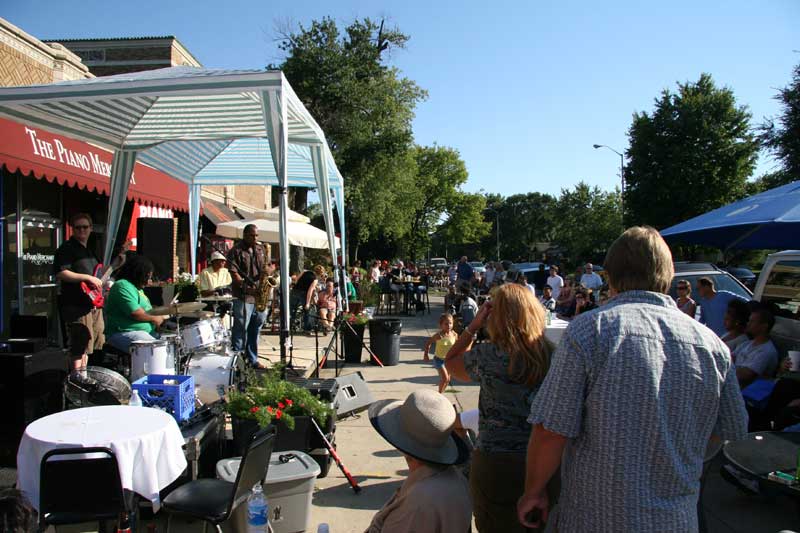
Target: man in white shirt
{"x": 375, "y": 272}
{"x": 591, "y": 280}
{"x": 488, "y": 276}
{"x": 756, "y": 358}
{"x": 214, "y": 277}
{"x": 555, "y": 281}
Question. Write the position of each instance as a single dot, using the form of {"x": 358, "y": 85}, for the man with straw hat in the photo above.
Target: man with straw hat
{"x": 435, "y": 496}
{"x": 215, "y": 276}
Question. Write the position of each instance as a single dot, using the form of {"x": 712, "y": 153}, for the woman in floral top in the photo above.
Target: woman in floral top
{"x": 510, "y": 368}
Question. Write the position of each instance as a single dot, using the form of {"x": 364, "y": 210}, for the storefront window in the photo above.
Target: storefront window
{"x": 8, "y": 235}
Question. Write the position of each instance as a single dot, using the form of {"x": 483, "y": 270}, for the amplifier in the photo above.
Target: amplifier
{"x": 324, "y": 389}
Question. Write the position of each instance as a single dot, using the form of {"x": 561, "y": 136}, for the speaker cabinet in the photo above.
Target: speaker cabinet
{"x": 155, "y": 239}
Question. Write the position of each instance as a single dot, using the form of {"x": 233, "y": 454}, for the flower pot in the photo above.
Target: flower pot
{"x": 356, "y": 306}
{"x": 353, "y": 340}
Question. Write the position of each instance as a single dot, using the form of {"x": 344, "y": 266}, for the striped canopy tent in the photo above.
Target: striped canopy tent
{"x": 202, "y": 126}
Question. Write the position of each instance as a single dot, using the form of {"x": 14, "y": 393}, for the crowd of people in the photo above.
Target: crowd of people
{"x": 608, "y": 430}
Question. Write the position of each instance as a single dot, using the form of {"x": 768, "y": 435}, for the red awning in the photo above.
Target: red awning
{"x": 76, "y": 163}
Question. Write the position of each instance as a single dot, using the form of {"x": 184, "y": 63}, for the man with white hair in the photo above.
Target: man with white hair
{"x": 591, "y": 279}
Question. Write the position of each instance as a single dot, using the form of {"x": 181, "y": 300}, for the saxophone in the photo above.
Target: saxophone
{"x": 265, "y": 285}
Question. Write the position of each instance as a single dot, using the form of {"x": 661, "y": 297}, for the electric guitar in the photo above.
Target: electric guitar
{"x": 96, "y": 295}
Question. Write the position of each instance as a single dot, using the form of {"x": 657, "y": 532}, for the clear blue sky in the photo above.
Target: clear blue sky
{"x": 522, "y": 89}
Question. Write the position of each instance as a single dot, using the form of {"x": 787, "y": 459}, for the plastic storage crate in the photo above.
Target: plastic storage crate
{"x": 177, "y": 400}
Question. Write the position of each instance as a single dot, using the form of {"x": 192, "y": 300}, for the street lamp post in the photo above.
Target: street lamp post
{"x": 497, "y": 224}
{"x": 621, "y": 174}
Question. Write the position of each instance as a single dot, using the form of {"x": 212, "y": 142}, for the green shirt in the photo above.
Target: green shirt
{"x": 123, "y": 299}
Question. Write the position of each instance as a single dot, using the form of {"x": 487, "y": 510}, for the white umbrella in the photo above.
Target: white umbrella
{"x": 300, "y": 234}
{"x": 274, "y": 214}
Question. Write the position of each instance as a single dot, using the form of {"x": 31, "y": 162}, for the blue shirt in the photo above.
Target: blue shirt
{"x": 637, "y": 387}
{"x": 465, "y": 271}
{"x": 712, "y": 312}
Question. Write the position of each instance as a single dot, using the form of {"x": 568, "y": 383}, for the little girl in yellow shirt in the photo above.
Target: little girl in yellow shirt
{"x": 444, "y": 341}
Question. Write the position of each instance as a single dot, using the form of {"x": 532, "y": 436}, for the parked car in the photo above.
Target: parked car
{"x": 438, "y": 263}
{"x": 693, "y": 271}
{"x": 477, "y": 266}
{"x": 529, "y": 269}
{"x": 779, "y": 284}
{"x": 745, "y": 275}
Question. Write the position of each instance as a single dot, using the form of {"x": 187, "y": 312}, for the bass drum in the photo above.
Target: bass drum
{"x": 214, "y": 373}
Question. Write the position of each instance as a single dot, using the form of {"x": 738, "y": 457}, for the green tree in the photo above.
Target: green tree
{"x": 365, "y": 107}
{"x": 589, "y": 220}
{"x": 692, "y": 154}
{"x": 437, "y": 186}
{"x": 465, "y": 223}
{"x": 783, "y": 138}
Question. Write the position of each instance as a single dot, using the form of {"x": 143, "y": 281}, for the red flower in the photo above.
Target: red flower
{"x": 289, "y": 402}
{"x": 278, "y": 414}
{"x": 269, "y": 409}
{"x": 281, "y": 405}
{"x": 254, "y": 409}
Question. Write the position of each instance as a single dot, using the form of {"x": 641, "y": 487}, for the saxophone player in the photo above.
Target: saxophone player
{"x": 247, "y": 262}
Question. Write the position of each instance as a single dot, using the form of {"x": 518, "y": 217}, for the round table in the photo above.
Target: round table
{"x": 763, "y": 452}
{"x": 555, "y": 330}
{"x": 147, "y": 443}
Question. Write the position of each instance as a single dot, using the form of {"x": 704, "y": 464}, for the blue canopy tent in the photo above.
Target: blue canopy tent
{"x": 768, "y": 220}
{"x": 202, "y": 126}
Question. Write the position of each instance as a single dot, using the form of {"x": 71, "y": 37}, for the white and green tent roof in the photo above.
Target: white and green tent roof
{"x": 202, "y": 126}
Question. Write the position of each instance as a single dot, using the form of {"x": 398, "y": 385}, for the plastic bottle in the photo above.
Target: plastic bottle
{"x": 257, "y": 511}
{"x": 135, "y": 400}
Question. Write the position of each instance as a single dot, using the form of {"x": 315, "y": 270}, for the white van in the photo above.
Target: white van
{"x": 779, "y": 284}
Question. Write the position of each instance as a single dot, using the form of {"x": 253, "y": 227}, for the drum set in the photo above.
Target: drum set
{"x": 197, "y": 343}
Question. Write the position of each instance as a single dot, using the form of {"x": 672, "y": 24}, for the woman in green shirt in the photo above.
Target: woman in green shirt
{"x": 127, "y": 318}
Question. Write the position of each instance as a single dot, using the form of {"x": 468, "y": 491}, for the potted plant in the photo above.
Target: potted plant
{"x": 370, "y": 293}
{"x": 354, "y": 335}
{"x": 271, "y": 400}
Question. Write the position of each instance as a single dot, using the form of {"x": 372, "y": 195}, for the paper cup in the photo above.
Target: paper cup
{"x": 794, "y": 357}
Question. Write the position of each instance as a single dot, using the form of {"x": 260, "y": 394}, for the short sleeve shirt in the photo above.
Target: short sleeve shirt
{"x": 638, "y": 388}
{"x": 555, "y": 282}
{"x": 123, "y": 299}
{"x": 210, "y": 280}
{"x": 75, "y": 257}
{"x": 503, "y": 404}
{"x": 760, "y": 358}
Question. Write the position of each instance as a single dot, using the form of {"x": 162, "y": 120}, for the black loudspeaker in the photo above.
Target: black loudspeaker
{"x": 155, "y": 239}
{"x": 353, "y": 395}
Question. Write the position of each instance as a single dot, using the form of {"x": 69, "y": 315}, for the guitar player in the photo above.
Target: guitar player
{"x": 76, "y": 269}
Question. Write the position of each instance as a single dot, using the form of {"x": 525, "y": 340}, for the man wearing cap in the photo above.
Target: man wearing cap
{"x": 435, "y": 496}
{"x": 215, "y": 276}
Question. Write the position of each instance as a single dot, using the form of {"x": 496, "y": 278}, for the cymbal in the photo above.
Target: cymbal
{"x": 221, "y": 298}
{"x": 177, "y": 309}
{"x": 199, "y": 314}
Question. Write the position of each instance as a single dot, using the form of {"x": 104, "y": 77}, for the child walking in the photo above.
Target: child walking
{"x": 444, "y": 341}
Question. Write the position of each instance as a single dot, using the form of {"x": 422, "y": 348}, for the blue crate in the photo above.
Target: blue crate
{"x": 177, "y": 400}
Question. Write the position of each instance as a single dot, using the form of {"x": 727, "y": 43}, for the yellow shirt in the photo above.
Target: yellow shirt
{"x": 210, "y": 280}
{"x": 444, "y": 344}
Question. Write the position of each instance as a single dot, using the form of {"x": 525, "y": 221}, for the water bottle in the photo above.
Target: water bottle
{"x": 257, "y": 511}
{"x": 135, "y": 400}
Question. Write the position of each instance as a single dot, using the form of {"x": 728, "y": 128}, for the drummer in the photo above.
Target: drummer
{"x": 215, "y": 277}
{"x": 127, "y": 306}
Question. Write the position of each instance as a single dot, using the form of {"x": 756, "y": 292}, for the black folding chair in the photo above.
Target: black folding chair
{"x": 76, "y": 490}
{"x": 214, "y": 500}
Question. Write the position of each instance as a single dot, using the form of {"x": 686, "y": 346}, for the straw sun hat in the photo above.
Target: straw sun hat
{"x": 217, "y": 256}
{"x": 421, "y": 426}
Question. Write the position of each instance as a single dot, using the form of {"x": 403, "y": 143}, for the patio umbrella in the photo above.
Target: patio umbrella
{"x": 274, "y": 214}
{"x": 300, "y": 234}
{"x": 768, "y": 220}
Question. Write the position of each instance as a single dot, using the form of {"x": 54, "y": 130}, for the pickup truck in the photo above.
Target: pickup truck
{"x": 779, "y": 284}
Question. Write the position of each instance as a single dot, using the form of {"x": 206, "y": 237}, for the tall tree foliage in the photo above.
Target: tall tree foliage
{"x": 782, "y": 135}
{"x": 525, "y": 220}
{"x": 692, "y": 154}
{"x": 365, "y": 108}
{"x": 437, "y": 186}
{"x": 589, "y": 220}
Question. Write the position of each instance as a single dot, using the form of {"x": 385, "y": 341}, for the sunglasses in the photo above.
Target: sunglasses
{"x": 81, "y": 227}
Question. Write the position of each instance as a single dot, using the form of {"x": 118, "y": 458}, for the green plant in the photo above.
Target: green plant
{"x": 273, "y": 398}
{"x": 356, "y": 319}
{"x": 370, "y": 292}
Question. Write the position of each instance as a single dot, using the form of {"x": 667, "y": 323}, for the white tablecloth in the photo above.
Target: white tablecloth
{"x": 555, "y": 330}
{"x": 147, "y": 443}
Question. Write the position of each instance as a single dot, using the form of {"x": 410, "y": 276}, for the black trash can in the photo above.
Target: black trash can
{"x": 384, "y": 340}
{"x": 352, "y": 342}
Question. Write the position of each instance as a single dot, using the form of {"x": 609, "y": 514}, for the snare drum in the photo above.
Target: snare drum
{"x": 149, "y": 357}
{"x": 213, "y": 374}
{"x": 200, "y": 334}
